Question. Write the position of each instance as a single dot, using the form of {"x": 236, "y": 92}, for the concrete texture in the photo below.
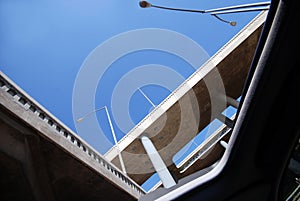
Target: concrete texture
{"x": 40, "y": 159}
{"x": 181, "y": 122}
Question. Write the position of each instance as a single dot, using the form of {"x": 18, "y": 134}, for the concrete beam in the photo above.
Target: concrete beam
{"x": 231, "y": 101}
{"x": 158, "y": 164}
{"x": 224, "y": 144}
{"x": 227, "y": 121}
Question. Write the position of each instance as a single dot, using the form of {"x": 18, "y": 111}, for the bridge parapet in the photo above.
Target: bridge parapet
{"x": 18, "y": 102}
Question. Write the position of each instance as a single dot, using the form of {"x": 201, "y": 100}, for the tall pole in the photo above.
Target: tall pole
{"x": 260, "y": 6}
{"x": 112, "y": 131}
{"x": 115, "y": 140}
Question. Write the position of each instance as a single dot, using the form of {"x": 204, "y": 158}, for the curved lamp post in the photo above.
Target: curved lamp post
{"x": 218, "y": 11}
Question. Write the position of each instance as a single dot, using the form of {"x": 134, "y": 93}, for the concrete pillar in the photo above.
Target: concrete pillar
{"x": 227, "y": 121}
{"x": 224, "y": 144}
{"x": 229, "y": 100}
{"x": 158, "y": 164}
{"x": 232, "y": 102}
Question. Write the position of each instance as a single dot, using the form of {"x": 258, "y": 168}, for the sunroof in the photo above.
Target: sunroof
{"x": 128, "y": 71}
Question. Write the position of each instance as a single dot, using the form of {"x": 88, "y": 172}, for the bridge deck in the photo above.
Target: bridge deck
{"x": 191, "y": 107}
{"x": 42, "y": 159}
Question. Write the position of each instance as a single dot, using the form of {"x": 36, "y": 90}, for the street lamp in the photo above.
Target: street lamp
{"x": 112, "y": 131}
{"x": 218, "y": 11}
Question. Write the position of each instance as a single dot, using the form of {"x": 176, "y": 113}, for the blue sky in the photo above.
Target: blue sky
{"x": 44, "y": 44}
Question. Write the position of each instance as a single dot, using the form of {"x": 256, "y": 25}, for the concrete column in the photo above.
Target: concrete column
{"x": 229, "y": 100}
{"x": 232, "y": 102}
{"x": 227, "y": 121}
{"x": 158, "y": 164}
{"x": 224, "y": 144}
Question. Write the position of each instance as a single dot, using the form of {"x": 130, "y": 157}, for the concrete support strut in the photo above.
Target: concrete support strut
{"x": 227, "y": 121}
{"x": 224, "y": 144}
{"x": 158, "y": 164}
{"x": 231, "y": 101}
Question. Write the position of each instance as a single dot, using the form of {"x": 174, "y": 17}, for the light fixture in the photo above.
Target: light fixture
{"x": 218, "y": 11}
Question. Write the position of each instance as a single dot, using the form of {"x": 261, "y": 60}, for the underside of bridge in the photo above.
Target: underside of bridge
{"x": 40, "y": 159}
{"x": 33, "y": 168}
{"x": 190, "y": 114}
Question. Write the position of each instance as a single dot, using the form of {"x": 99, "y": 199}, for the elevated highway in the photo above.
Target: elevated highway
{"x": 42, "y": 159}
{"x": 189, "y": 109}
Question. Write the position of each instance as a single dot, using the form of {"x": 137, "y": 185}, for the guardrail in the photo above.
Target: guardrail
{"x": 29, "y": 104}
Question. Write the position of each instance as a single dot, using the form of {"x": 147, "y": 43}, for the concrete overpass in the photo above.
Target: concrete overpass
{"x": 42, "y": 159}
{"x": 190, "y": 108}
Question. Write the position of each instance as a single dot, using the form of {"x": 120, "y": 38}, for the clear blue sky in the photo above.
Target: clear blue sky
{"x": 44, "y": 44}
